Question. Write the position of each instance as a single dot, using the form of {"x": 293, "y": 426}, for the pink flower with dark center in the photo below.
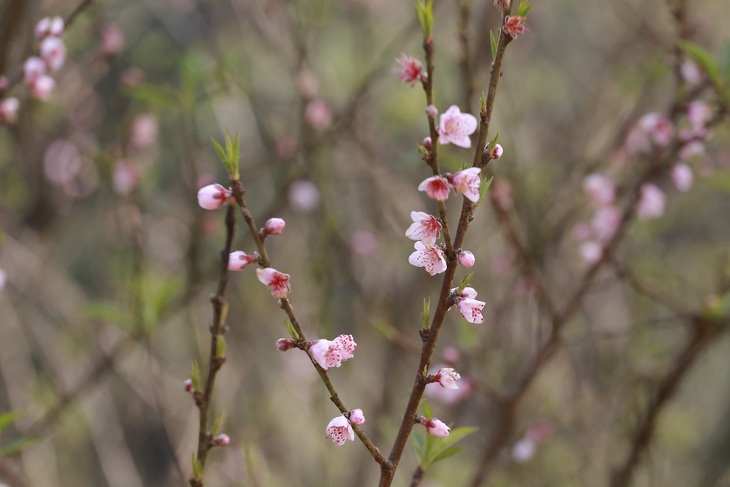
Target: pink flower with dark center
{"x": 470, "y": 308}
{"x": 9, "y": 110}
{"x": 514, "y": 25}
{"x": 278, "y": 282}
{"x": 436, "y": 187}
{"x": 651, "y": 202}
{"x": 456, "y": 127}
{"x": 331, "y": 353}
{"x": 213, "y": 196}
{"x": 430, "y": 258}
{"x": 356, "y": 416}
{"x": 600, "y": 189}
{"x": 425, "y": 228}
{"x": 466, "y": 258}
{"x": 53, "y": 52}
{"x": 239, "y": 260}
{"x": 43, "y": 87}
{"x": 605, "y": 223}
{"x": 273, "y": 226}
{"x": 436, "y": 427}
{"x": 448, "y": 378}
{"x": 33, "y": 68}
{"x": 682, "y": 176}
{"x": 467, "y": 182}
{"x": 339, "y": 430}
{"x": 590, "y": 252}
{"x": 410, "y": 70}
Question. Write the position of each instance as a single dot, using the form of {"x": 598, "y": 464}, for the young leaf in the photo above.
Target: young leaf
{"x": 484, "y": 188}
{"x": 292, "y": 332}
{"x": 426, "y": 313}
{"x": 6, "y": 419}
{"x": 446, "y": 453}
{"x": 493, "y": 43}
{"x": 417, "y": 441}
{"x": 464, "y": 282}
{"x": 216, "y": 428}
{"x": 427, "y": 410}
{"x": 195, "y": 375}
{"x": 704, "y": 60}
{"x": 197, "y": 468}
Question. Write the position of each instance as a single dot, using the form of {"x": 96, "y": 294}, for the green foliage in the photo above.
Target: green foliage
{"x": 292, "y": 331}
{"x": 6, "y": 419}
{"x": 703, "y": 59}
{"x": 16, "y": 446}
{"x": 230, "y": 155}
{"x": 484, "y": 188}
{"x": 195, "y": 375}
{"x": 464, "y": 283}
{"x": 523, "y": 9}
{"x": 493, "y": 44}
{"x": 424, "y": 9}
{"x": 216, "y": 428}
{"x": 197, "y": 468}
{"x": 426, "y": 313}
{"x": 431, "y": 449}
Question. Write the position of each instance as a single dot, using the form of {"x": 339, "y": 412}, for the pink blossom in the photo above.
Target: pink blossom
{"x": 410, "y": 70}
{"x": 466, "y": 258}
{"x": 582, "y": 231}
{"x": 273, "y": 226}
{"x": 502, "y": 193}
{"x": 496, "y": 152}
{"x": 514, "y": 25}
{"x": 451, "y": 355}
{"x": 331, "y": 353}
{"x": 605, "y": 222}
{"x": 221, "y": 440}
{"x": 53, "y": 52}
{"x": 449, "y": 396}
{"x": 591, "y": 252}
{"x": 698, "y": 114}
{"x": 278, "y": 282}
{"x": 43, "y": 87}
{"x": 523, "y": 450}
{"x": 425, "y": 228}
{"x": 651, "y": 202}
{"x": 431, "y": 111}
{"x": 682, "y": 176}
{"x": 637, "y": 141}
{"x": 456, "y": 127}
{"x": 467, "y": 182}
{"x": 502, "y": 5}
{"x": 284, "y": 344}
{"x": 690, "y": 150}
{"x": 49, "y": 27}
{"x": 112, "y": 40}
{"x": 33, "y": 68}
{"x": 356, "y": 416}
{"x": 436, "y": 187}
{"x": 502, "y": 265}
{"x": 188, "y": 386}
{"x": 470, "y": 308}
{"x": 363, "y": 242}
{"x": 318, "y": 114}
{"x": 658, "y": 127}
{"x": 304, "y": 196}
{"x": 600, "y": 189}
{"x": 239, "y": 260}
{"x": 125, "y": 177}
{"x": 448, "y": 378}
{"x": 436, "y": 427}
{"x": 143, "y": 132}
{"x": 307, "y": 83}
{"x": 9, "y": 110}
{"x": 285, "y": 147}
{"x": 690, "y": 73}
{"x": 213, "y": 196}
{"x": 430, "y": 258}
{"x": 62, "y": 162}
{"x": 339, "y": 430}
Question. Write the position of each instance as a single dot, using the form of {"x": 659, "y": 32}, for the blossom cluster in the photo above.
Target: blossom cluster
{"x": 652, "y": 132}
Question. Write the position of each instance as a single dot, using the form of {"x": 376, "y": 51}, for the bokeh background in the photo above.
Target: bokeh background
{"x": 110, "y": 261}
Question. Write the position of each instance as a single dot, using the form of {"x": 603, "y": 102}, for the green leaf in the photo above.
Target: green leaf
{"x": 484, "y": 188}
{"x": 464, "y": 282}
{"x": 704, "y": 60}
{"x": 523, "y": 9}
{"x": 107, "y": 312}
{"x": 219, "y": 149}
{"x": 197, "y": 468}
{"x": 229, "y": 157}
{"x": 427, "y": 410}
{"x": 426, "y": 313}
{"x": 493, "y": 43}
{"x": 217, "y": 424}
{"x": 444, "y": 447}
{"x": 417, "y": 442}
{"x": 16, "y": 446}
{"x": 195, "y": 375}
{"x": 6, "y": 419}
{"x": 448, "y": 452}
{"x": 292, "y": 332}
{"x": 424, "y": 9}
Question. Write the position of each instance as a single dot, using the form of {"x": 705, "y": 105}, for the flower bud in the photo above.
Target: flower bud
{"x": 284, "y": 344}
{"x": 213, "y": 196}
{"x": 427, "y": 143}
{"x": 431, "y": 111}
{"x": 53, "y": 52}
{"x": 274, "y": 226}
{"x": 497, "y": 152}
{"x": 43, "y": 87}
{"x": 221, "y": 440}
{"x": 33, "y": 68}
{"x": 466, "y": 258}
{"x": 238, "y": 260}
{"x": 188, "y": 386}
{"x": 9, "y": 110}
{"x": 356, "y": 416}
{"x": 436, "y": 427}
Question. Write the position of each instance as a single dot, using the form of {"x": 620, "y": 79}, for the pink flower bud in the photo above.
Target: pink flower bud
{"x": 431, "y": 111}
{"x": 691, "y": 73}
{"x": 273, "y": 226}
{"x": 33, "y": 68}
{"x": 448, "y": 378}
{"x": 53, "y": 52}
{"x": 523, "y": 450}
{"x": 239, "y": 260}
{"x": 427, "y": 143}
{"x": 49, "y": 27}
{"x": 125, "y": 177}
{"x": 304, "y": 196}
{"x": 356, "y": 416}
{"x": 221, "y": 440}
{"x": 450, "y": 355}
{"x": 112, "y": 40}
{"x": 43, "y": 87}
{"x": 284, "y": 344}
{"x": 497, "y": 152}
{"x": 591, "y": 252}
{"x": 318, "y": 114}
{"x": 682, "y": 176}
{"x": 188, "y": 386}
{"x": 466, "y": 258}
{"x": 213, "y": 196}
{"x": 410, "y": 70}
{"x": 651, "y": 202}
{"x": 600, "y": 189}
{"x": 9, "y": 110}
{"x": 502, "y": 5}
{"x": 436, "y": 427}
{"x": 514, "y": 25}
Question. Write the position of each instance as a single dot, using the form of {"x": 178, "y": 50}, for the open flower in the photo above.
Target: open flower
{"x": 409, "y": 70}
{"x": 53, "y": 52}
{"x": 514, "y": 25}
{"x": 470, "y": 308}
{"x": 651, "y": 202}
{"x": 239, "y": 260}
{"x": 213, "y": 196}
{"x": 456, "y": 127}
{"x": 430, "y": 258}
{"x": 606, "y": 222}
{"x": 448, "y": 378}
{"x": 600, "y": 189}
{"x": 467, "y": 182}
{"x": 278, "y": 282}
{"x": 9, "y": 110}
{"x": 425, "y": 228}
{"x": 331, "y": 353}
{"x": 435, "y": 427}
{"x": 682, "y": 176}
{"x": 436, "y": 187}
{"x": 339, "y": 430}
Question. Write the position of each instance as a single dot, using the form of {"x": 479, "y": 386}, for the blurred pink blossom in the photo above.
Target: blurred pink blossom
{"x": 49, "y": 27}
{"x": 690, "y": 150}
{"x": 658, "y": 127}
{"x": 691, "y": 73}
{"x": 605, "y": 222}
{"x": 318, "y": 114}
{"x": 285, "y": 147}
{"x": 590, "y": 252}
{"x": 363, "y": 242}
{"x": 456, "y": 127}
{"x": 42, "y": 88}
{"x": 450, "y": 355}
{"x": 304, "y": 196}
{"x": 582, "y": 231}
{"x": 682, "y": 176}
{"x": 112, "y": 40}
{"x": 143, "y": 132}
{"x": 502, "y": 265}
{"x": 600, "y": 189}
{"x": 125, "y": 177}
{"x": 33, "y": 68}
{"x": 409, "y": 70}
{"x": 430, "y": 258}
{"x": 436, "y": 187}
{"x": 698, "y": 114}
{"x": 61, "y": 162}
{"x": 53, "y": 52}
{"x": 9, "y": 110}
{"x": 502, "y": 193}
{"x": 651, "y": 202}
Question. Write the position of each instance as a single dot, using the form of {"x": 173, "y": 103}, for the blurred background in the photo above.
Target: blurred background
{"x": 108, "y": 261}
